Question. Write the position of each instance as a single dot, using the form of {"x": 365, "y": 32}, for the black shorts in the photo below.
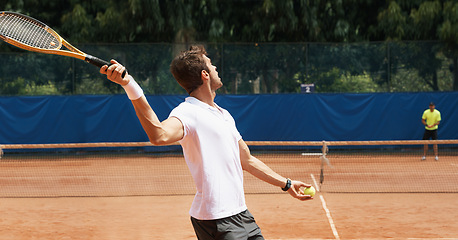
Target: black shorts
{"x": 430, "y": 134}
{"x": 238, "y": 227}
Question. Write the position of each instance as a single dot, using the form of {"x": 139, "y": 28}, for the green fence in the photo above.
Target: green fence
{"x": 244, "y": 68}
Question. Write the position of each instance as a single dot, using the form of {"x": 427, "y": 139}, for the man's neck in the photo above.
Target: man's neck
{"x": 204, "y": 96}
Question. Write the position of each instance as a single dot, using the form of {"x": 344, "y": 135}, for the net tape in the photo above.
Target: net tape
{"x": 325, "y": 144}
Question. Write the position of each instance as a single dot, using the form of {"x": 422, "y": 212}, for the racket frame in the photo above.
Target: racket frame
{"x": 71, "y": 52}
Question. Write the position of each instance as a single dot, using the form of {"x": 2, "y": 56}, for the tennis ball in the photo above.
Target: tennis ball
{"x": 309, "y": 191}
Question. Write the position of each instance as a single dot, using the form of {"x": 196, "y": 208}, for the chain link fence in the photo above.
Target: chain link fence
{"x": 245, "y": 68}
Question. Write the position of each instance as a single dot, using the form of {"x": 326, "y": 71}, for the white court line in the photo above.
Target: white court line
{"x": 312, "y": 154}
{"x": 328, "y": 213}
{"x": 316, "y": 184}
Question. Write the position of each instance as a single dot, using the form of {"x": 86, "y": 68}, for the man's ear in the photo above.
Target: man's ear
{"x": 204, "y": 75}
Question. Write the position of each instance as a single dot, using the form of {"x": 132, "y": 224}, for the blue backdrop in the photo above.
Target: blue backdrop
{"x": 288, "y": 117}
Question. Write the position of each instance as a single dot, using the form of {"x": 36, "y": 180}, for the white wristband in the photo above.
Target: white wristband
{"x": 133, "y": 90}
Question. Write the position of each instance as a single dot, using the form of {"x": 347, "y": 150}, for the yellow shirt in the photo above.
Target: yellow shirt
{"x": 431, "y": 118}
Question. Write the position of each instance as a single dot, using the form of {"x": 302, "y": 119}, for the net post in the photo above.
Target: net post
{"x": 324, "y": 150}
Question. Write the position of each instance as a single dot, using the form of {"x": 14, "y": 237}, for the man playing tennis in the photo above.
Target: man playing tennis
{"x": 213, "y": 148}
{"x": 431, "y": 118}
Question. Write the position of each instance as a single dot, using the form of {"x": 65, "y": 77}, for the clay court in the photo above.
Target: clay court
{"x": 146, "y": 196}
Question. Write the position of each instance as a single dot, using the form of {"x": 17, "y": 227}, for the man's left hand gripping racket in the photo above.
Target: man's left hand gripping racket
{"x": 32, "y": 35}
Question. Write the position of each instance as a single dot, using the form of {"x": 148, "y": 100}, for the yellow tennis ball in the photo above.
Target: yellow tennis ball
{"x": 309, "y": 191}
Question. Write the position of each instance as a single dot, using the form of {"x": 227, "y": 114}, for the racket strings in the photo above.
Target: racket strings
{"x": 27, "y": 32}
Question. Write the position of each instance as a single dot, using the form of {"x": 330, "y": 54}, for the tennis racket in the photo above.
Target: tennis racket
{"x": 32, "y": 35}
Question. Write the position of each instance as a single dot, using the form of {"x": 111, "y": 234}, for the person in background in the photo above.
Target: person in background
{"x": 431, "y": 118}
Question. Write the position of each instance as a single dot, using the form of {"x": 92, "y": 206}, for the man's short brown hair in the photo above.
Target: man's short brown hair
{"x": 187, "y": 68}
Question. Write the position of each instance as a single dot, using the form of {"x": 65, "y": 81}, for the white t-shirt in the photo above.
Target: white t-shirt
{"x": 211, "y": 150}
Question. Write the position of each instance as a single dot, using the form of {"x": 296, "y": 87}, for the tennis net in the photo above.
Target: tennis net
{"x": 140, "y": 169}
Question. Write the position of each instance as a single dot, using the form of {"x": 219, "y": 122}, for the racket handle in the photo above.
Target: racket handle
{"x": 99, "y": 62}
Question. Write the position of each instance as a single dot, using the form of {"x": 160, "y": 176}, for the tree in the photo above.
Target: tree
{"x": 214, "y": 22}
{"x": 424, "y": 20}
{"x": 448, "y": 32}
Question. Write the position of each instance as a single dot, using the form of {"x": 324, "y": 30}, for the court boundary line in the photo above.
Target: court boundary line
{"x": 326, "y": 210}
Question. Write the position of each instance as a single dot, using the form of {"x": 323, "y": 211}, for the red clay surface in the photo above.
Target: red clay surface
{"x": 356, "y": 216}
{"x": 35, "y": 202}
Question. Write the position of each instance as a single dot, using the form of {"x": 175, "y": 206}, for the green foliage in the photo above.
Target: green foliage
{"x": 21, "y": 87}
{"x": 267, "y": 67}
{"x": 14, "y": 87}
{"x": 393, "y": 21}
{"x": 244, "y": 20}
{"x": 337, "y": 81}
